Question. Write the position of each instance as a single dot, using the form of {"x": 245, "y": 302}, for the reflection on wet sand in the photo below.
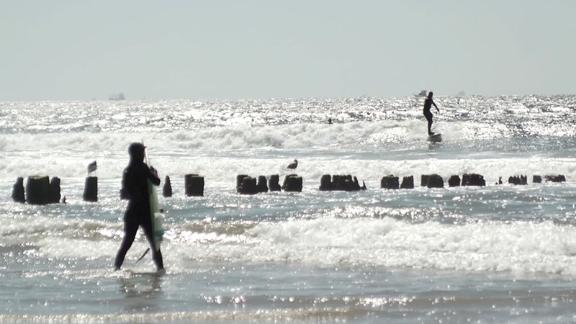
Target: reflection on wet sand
{"x": 141, "y": 291}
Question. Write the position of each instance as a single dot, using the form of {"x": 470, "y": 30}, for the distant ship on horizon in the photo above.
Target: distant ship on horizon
{"x": 117, "y": 96}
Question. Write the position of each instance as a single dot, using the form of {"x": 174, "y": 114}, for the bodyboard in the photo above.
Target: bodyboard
{"x": 155, "y": 216}
{"x": 435, "y": 138}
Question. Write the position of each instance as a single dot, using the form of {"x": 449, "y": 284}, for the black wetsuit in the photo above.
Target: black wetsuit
{"x": 428, "y": 114}
{"x": 135, "y": 188}
{"x": 427, "y": 107}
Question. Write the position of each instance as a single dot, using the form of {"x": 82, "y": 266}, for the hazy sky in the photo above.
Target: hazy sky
{"x": 82, "y": 49}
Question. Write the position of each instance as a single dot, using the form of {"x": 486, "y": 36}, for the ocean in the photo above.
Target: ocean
{"x": 494, "y": 254}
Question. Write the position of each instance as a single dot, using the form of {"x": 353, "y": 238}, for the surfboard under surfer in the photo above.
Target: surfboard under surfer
{"x": 427, "y": 113}
{"x": 135, "y": 189}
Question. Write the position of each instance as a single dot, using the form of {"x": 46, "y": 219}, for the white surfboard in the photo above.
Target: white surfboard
{"x": 156, "y": 216}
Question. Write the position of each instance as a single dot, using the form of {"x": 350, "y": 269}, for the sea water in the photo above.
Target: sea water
{"x": 499, "y": 253}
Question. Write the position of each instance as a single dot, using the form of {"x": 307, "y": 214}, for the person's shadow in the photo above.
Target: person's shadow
{"x": 141, "y": 291}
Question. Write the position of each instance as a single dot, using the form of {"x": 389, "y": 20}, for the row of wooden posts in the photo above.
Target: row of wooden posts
{"x": 40, "y": 190}
{"x": 468, "y": 179}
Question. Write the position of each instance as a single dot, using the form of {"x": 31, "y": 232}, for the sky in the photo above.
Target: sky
{"x": 250, "y": 49}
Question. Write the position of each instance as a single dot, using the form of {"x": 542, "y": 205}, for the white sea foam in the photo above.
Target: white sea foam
{"x": 238, "y": 137}
{"x": 344, "y": 148}
{"x": 519, "y": 248}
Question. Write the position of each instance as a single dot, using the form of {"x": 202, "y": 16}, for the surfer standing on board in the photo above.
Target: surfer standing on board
{"x": 427, "y": 113}
{"x": 135, "y": 188}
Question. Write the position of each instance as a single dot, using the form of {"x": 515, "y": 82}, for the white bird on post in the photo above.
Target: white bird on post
{"x": 92, "y": 167}
{"x": 293, "y": 165}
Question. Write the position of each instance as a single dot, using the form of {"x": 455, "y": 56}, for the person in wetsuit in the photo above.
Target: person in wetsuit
{"x": 135, "y": 189}
{"x": 427, "y": 113}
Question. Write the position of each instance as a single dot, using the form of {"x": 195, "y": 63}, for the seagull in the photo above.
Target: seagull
{"x": 293, "y": 165}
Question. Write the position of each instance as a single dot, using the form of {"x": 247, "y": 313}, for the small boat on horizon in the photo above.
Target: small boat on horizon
{"x": 117, "y": 96}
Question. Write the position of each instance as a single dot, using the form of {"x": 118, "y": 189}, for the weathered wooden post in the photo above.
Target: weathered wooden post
{"x": 167, "y": 189}
{"x": 473, "y": 179}
{"x": 357, "y": 184}
{"x": 407, "y": 182}
{"x": 246, "y": 185}
{"x": 435, "y": 181}
{"x": 424, "y": 180}
{"x": 454, "y": 181}
{"x": 37, "y": 190}
{"x": 18, "y": 191}
{"x": 326, "y": 182}
{"x": 262, "y": 186}
{"x": 274, "y": 183}
{"x": 555, "y": 178}
{"x": 54, "y": 193}
{"x": 518, "y": 180}
{"x": 390, "y": 182}
{"x": 239, "y": 181}
{"x": 292, "y": 183}
{"x": 91, "y": 189}
{"x": 194, "y": 185}
{"x": 340, "y": 182}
